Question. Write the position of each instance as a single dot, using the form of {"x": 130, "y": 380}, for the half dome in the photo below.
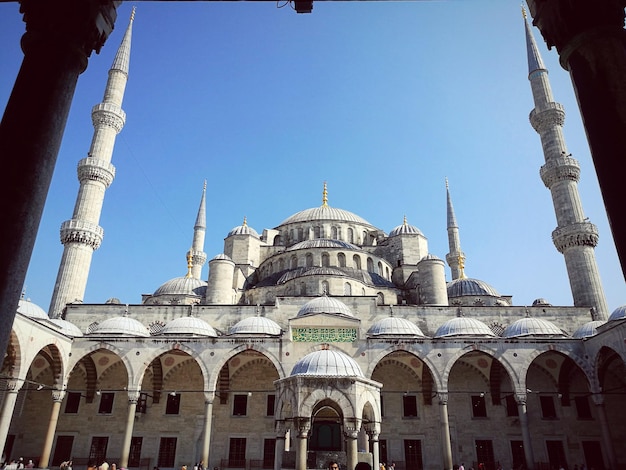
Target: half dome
{"x": 31, "y": 310}
{"x": 327, "y": 363}
{"x": 256, "y": 326}
{"x": 324, "y": 304}
{"x": 188, "y": 326}
{"x": 463, "y": 326}
{"x": 394, "y": 326}
{"x": 618, "y": 314}
{"x": 588, "y": 329}
{"x": 530, "y": 326}
{"x": 124, "y": 326}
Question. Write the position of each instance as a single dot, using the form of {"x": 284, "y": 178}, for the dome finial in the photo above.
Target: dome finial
{"x": 404, "y": 222}
{"x": 523, "y": 11}
{"x": 462, "y": 266}
{"x": 325, "y": 195}
{"x": 391, "y": 310}
{"x": 189, "y": 263}
{"x": 245, "y": 221}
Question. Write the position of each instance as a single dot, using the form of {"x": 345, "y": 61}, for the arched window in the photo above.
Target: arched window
{"x": 365, "y": 241}
{"x": 347, "y": 289}
{"x": 281, "y": 264}
{"x": 325, "y": 260}
{"x": 294, "y": 262}
{"x": 370, "y": 265}
{"x": 325, "y": 287}
{"x": 333, "y": 233}
{"x": 380, "y": 300}
{"x": 278, "y": 240}
{"x": 380, "y": 268}
{"x": 316, "y": 232}
{"x": 302, "y": 288}
{"x": 350, "y": 235}
{"x": 300, "y": 234}
{"x": 341, "y": 258}
{"x": 309, "y": 260}
{"x": 357, "y": 261}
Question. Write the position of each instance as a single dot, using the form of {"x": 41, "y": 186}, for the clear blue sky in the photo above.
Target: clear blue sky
{"x": 383, "y": 100}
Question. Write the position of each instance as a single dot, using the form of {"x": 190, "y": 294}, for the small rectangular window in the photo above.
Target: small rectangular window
{"x": 271, "y": 402}
{"x": 409, "y": 406}
{"x": 240, "y": 405}
{"x": 582, "y": 408}
{"x": 548, "y": 410}
{"x": 106, "y": 402}
{"x": 479, "y": 406}
{"x": 73, "y": 402}
{"x": 172, "y": 407}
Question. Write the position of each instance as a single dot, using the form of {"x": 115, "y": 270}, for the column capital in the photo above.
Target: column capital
{"x": 598, "y": 399}
{"x": 520, "y": 398}
{"x": 303, "y": 425}
{"x": 442, "y": 397}
{"x": 133, "y": 396}
{"x": 58, "y": 395}
{"x": 13, "y": 385}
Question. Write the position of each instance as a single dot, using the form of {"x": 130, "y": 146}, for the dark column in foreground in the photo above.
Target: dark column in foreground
{"x": 60, "y": 36}
{"x": 591, "y": 42}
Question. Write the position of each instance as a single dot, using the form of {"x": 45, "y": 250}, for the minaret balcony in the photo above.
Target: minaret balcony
{"x": 576, "y": 234}
{"x": 80, "y": 231}
{"x": 550, "y": 115}
{"x": 108, "y": 114}
{"x": 559, "y": 169}
{"x": 95, "y": 169}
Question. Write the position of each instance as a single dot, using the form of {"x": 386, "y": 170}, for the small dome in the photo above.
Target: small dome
{"x": 324, "y": 304}
{"x": 256, "y": 326}
{"x": 540, "y": 302}
{"x": 431, "y": 257}
{"x": 463, "y": 326}
{"x": 327, "y": 363}
{"x": 588, "y": 329}
{"x": 394, "y": 326}
{"x": 618, "y": 314}
{"x": 243, "y": 229}
{"x": 467, "y": 286}
{"x": 113, "y": 301}
{"x": 532, "y": 327}
{"x": 31, "y": 310}
{"x": 405, "y": 229}
{"x": 182, "y": 286}
{"x": 188, "y": 326}
{"x": 67, "y": 328}
{"x": 222, "y": 257}
{"x": 323, "y": 243}
{"x": 124, "y": 326}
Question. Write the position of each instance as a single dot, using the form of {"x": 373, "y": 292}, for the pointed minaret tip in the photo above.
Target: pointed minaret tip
{"x": 122, "y": 57}
{"x": 523, "y": 11}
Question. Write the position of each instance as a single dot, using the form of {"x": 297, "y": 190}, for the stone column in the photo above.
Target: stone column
{"x": 598, "y": 400}
{"x": 375, "y": 448}
{"x": 591, "y": 44}
{"x": 303, "y": 427}
{"x": 59, "y": 39}
{"x": 352, "y": 450}
{"x": 7, "y": 410}
{"x": 520, "y": 398}
{"x": 446, "y": 446}
{"x": 133, "y": 398}
{"x": 208, "y": 426}
{"x": 57, "y": 399}
{"x": 280, "y": 444}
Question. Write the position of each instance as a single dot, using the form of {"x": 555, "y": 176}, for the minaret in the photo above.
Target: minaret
{"x": 81, "y": 235}
{"x": 456, "y": 257}
{"x": 199, "y": 230}
{"x": 575, "y": 237}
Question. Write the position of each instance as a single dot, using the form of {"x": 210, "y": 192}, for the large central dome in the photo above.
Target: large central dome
{"x": 325, "y": 212}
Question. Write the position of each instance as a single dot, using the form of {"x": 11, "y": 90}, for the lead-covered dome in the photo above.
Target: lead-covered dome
{"x": 470, "y": 287}
{"x": 182, "y": 286}
{"x": 463, "y": 326}
{"x": 394, "y": 326}
{"x": 405, "y": 229}
{"x": 530, "y": 326}
{"x": 325, "y": 212}
{"x": 243, "y": 229}
{"x": 256, "y": 326}
{"x": 31, "y": 310}
{"x": 323, "y": 243}
{"x": 324, "y": 304}
{"x": 121, "y": 326}
{"x": 67, "y": 328}
{"x": 327, "y": 363}
{"x": 618, "y": 314}
{"x": 188, "y": 326}
{"x": 588, "y": 329}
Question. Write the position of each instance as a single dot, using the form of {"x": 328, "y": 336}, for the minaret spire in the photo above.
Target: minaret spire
{"x": 456, "y": 257}
{"x": 197, "y": 247}
{"x": 575, "y": 237}
{"x": 325, "y": 195}
{"x": 81, "y": 235}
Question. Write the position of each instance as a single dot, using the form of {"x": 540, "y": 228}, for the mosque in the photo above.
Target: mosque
{"x": 323, "y": 338}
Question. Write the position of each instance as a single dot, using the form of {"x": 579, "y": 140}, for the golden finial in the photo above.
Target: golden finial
{"x": 245, "y": 221}
{"x": 523, "y": 11}
{"x": 447, "y": 186}
{"x": 189, "y": 263}
{"x": 325, "y": 195}
{"x": 461, "y": 266}
{"x": 404, "y": 222}
{"x": 132, "y": 14}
